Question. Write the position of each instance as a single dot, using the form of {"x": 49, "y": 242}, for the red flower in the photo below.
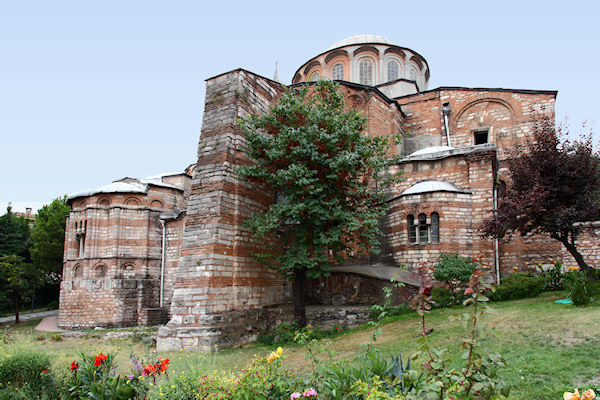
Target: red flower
{"x": 164, "y": 364}
{"x": 44, "y": 371}
{"x": 74, "y": 365}
{"x": 149, "y": 370}
{"x": 99, "y": 359}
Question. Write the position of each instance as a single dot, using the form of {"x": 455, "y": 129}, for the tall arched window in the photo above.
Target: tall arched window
{"x": 412, "y": 229}
{"x": 365, "y": 70}
{"x": 315, "y": 77}
{"x": 393, "y": 70}
{"x": 337, "y": 72}
{"x": 435, "y": 227}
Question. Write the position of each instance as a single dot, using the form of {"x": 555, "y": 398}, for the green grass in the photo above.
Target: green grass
{"x": 549, "y": 348}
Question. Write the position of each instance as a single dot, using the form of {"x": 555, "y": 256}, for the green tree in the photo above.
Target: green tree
{"x": 15, "y": 235}
{"x": 454, "y": 270}
{"x": 17, "y": 280}
{"x": 310, "y": 150}
{"x": 48, "y": 235}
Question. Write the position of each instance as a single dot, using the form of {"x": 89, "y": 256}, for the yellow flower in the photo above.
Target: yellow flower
{"x": 515, "y": 268}
{"x": 551, "y": 260}
{"x": 526, "y": 262}
{"x": 279, "y": 350}
{"x": 572, "y": 396}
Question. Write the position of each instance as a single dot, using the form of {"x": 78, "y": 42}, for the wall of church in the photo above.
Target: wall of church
{"x": 111, "y": 273}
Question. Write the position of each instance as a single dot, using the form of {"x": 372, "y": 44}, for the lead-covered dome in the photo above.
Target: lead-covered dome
{"x": 369, "y": 60}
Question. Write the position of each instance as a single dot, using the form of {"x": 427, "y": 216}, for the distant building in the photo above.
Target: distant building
{"x": 174, "y": 246}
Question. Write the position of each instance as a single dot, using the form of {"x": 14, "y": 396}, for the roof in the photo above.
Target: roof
{"x": 361, "y": 39}
{"x": 428, "y": 186}
{"x": 429, "y": 150}
{"x": 128, "y": 185}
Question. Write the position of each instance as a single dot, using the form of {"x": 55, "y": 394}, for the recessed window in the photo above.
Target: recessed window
{"x": 393, "y": 70}
{"x": 423, "y": 230}
{"x": 100, "y": 271}
{"x": 337, "y": 72}
{"x": 77, "y": 273}
{"x": 481, "y": 136}
{"x": 365, "y": 69}
{"x": 315, "y": 77}
{"x": 413, "y": 74}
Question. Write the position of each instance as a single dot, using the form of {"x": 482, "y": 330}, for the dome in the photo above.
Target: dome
{"x": 432, "y": 186}
{"x": 361, "y": 39}
{"x": 431, "y": 150}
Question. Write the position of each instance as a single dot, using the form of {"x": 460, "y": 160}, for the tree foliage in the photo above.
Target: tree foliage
{"x": 48, "y": 235}
{"x": 15, "y": 235}
{"x": 17, "y": 280}
{"x": 310, "y": 150}
{"x": 554, "y": 186}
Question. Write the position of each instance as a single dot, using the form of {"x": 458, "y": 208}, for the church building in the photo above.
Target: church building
{"x": 172, "y": 247}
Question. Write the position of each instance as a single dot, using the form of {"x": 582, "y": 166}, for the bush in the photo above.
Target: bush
{"x": 554, "y": 277}
{"x": 454, "y": 270}
{"x": 444, "y": 297}
{"x": 401, "y": 309}
{"x": 26, "y": 375}
{"x": 287, "y": 333}
{"x": 583, "y": 291}
{"x": 518, "y": 286}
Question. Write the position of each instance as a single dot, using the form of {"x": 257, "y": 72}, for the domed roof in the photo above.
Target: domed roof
{"x": 360, "y": 39}
{"x": 432, "y": 186}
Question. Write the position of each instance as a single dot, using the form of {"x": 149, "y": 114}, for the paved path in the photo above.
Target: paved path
{"x": 27, "y": 317}
{"x": 49, "y": 324}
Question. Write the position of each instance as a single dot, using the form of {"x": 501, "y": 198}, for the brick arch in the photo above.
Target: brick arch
{"x": 397, "y": 51}
{"x": 128, "y": 270}
{"x": 417, "y": 61}
{"x": 132, "y": 201}
{"x": 156, "y": 202}
{"x": 311, "y": 65}
{"x": 99, "y": 271}
{"x": 335, "y": 54}
{"x": 494, "y": 100}
{"x": 103, "y": 201}
{"x": 77, "y": 272}
{"x": 370, "y": 49}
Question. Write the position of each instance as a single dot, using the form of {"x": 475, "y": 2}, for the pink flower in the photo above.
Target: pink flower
{"x": 310, "y": 392}
{"x": 295, "y": 395}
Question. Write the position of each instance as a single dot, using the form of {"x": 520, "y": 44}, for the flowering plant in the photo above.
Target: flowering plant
{"x": 587, "y": 395}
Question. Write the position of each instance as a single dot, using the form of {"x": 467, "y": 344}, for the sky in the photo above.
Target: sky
{"x": 94, "y": 91}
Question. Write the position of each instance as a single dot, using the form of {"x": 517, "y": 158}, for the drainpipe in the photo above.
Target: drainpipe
{"x": 446, "y": 112}
{"x": 496, "y": 243}
{"x": 162, "y": 262}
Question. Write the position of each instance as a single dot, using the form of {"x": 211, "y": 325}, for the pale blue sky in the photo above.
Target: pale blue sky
{"x": 91, "y": 92}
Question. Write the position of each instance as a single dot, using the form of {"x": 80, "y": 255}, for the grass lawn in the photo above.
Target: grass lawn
{"x": 549, "y": 348}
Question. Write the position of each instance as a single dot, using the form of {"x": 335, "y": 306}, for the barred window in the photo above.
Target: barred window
{"x": 315, "y": 77}
{"x": 412, "y": 229}
{"x": 337, "y": 72}
{"x": 413, "y": 74}
{"x": 365, "y": 69}
{"x": 435, "y": 228}
{"x": 423, "y": 231}
{"x": 392, "y": 70}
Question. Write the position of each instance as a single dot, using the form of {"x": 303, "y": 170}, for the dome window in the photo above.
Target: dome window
{"x": 365, "y": 68}
{"x": 392, "y": 70}
{"x": 337, "y": 72}
{"x": 413, "y": 74}
{"x": 315, "y": 77}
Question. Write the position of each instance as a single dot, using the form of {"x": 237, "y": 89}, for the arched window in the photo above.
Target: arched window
{"x": 100, "y": 271}
{"x": 412, "y": 229}
{"x": 435, "y": 227}
{"x": 337, "y": 72}
{"x": 315, "y": 77}
{"x": 393, "y": 70}
{"x": 413, "y": 73}
{"x": 77, "y": 272}
{"x": 365, "y": 70}
{"x": 423, "y": 231}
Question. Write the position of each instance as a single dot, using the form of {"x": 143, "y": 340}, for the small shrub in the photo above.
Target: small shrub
{"x": 57, "y": 338}
{"x": 288, "y": 333}
{"x": 518, "y": 286}
{"x": 391, "y": 311}
{"x": 26, "y": 374}
{"x": 554, "y": 277}
{"x": 454, "y": 271}
{"x": 444, "y": 297}
{"x": 583, "y": 291}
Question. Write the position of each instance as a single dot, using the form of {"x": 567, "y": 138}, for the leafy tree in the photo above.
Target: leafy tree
{"x": 17, "y": 280}
{"x": 554, "y": 186}
{"x": 49, "y": 235}
{"x": 14, "y": 235}
{"x": 310, "y": 151}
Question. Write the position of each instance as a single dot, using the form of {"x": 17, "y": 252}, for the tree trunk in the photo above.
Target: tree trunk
{"x": 299, "y": 289}
{"x": 16, "y": 303}
{"x": 578, "y": 258}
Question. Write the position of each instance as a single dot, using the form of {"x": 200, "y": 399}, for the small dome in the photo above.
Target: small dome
{"x": 432, "y": 186}
{"x": 361, "y": 39}
{"x": 430, "y": 150}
